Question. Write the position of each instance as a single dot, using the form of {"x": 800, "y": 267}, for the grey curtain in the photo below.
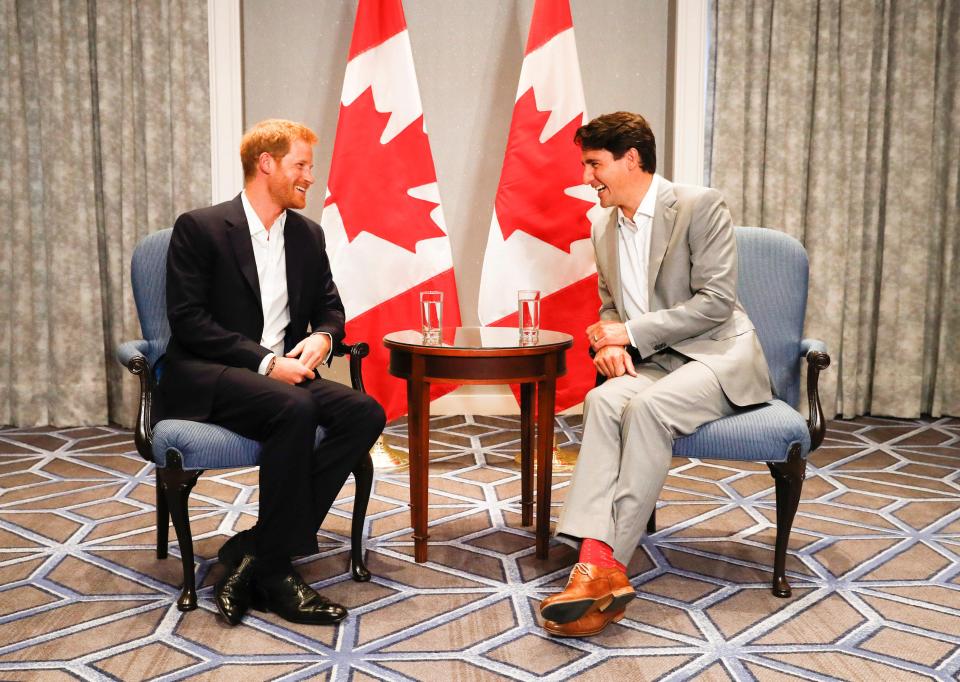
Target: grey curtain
{"x": 104, "y": 113}
{"x": 839, "y": 123}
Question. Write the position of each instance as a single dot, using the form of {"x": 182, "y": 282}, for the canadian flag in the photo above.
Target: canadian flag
{"x": 382, "y": 217}
{"x": 540, "y": 232}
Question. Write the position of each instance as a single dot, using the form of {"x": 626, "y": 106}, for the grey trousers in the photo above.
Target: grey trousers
{"x": 629, "y": 424}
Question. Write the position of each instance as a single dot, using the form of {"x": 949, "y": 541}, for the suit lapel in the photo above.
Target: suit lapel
{"x": 238, "y": 233}
{"x": 611, "y": 250}
{"x": 664, "y": 218}
{"x": 294, "y": 248}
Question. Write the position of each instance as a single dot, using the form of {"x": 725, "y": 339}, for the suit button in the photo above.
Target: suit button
{"x": 659, "y": 346}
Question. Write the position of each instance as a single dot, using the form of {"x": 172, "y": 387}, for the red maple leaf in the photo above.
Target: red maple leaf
{"x": 531, "y": 194}
{"x": 369, "y": 181}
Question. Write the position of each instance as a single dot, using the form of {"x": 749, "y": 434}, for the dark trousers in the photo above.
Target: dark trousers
{"x": 298, "y": 483}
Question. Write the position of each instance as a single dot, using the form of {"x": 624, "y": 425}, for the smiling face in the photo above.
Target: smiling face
{"x": 611, "y": 177}
{"x": 291, "y": 176}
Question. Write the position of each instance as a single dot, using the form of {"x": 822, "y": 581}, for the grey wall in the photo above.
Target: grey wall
{"x": 468, "y": 55}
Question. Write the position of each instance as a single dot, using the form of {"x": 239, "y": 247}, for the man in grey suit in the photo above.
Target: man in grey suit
{"x": 676, "y": 346}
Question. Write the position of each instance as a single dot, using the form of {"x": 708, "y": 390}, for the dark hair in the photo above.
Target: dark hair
{"x": 617, "y": 133}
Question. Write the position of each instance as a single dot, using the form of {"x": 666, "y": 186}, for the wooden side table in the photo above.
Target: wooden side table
{"x": 482, "y": 355}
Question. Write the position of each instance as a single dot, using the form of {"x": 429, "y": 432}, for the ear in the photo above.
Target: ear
{"x": 266, "y": 163}
{"x": 633, "y": 158}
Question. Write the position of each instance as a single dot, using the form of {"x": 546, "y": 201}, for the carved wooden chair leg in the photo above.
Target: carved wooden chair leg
{"x": 363, "y": 483}
{"x": 788, "y": 477}
{"x": 177, "y": 485}
{"x": 652, "y": 522}
{"x": 163, "y": 522}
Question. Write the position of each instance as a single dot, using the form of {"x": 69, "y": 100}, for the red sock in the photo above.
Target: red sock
{"x": 599, "y": 554}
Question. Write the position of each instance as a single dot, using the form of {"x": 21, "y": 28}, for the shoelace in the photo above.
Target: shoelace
{"x": 578, "y": 568}
{"x": 308, "y": 596}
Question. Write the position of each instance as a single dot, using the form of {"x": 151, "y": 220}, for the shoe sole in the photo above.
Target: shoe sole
{"x": 621, "y": 598}
{"x": 569, "y": 611}
{"x": 590, "y": 633}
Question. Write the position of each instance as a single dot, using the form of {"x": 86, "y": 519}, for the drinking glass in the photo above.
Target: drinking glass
{"x": 528, "y": 309}
{"x": 431, "y": 316}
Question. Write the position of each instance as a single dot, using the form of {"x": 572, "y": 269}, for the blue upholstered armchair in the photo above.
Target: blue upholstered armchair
{"x": 772, "y": 286}
{"x": 182, "y": 450}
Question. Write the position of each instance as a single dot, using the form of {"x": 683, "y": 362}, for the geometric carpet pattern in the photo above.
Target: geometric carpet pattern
{"x": 874, "y": 563}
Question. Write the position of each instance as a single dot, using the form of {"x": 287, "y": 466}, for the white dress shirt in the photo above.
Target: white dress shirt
{"x": 272, "y": 276}
{"x": 271, "y": 263}
{"x": 634, "y": 253}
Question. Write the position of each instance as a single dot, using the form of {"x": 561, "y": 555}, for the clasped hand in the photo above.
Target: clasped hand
{"x": 609, "y": 340}
{"x": 298, "y": 365}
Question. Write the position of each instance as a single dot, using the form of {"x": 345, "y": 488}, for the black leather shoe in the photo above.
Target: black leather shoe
{"x": 234, "y": 591}
{"x": 288, "y": 596}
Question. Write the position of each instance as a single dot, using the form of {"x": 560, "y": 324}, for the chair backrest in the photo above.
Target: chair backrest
{"x": 772, "y": 286}
{"x": 148, "y": 270}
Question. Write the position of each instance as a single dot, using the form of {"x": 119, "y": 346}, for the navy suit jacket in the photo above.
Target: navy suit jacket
{"x": 214, "y": 307}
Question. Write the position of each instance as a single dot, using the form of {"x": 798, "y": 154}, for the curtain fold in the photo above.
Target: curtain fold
{"x": 105, "y": 107}
{"x": 838, "y": 122}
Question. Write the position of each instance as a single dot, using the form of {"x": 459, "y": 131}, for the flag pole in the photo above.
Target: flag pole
{"x": 388, "y": 458}
{"x": 562, "y": 460}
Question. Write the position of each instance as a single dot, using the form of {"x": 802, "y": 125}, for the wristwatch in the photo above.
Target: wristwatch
{"x": 270, "y": 366}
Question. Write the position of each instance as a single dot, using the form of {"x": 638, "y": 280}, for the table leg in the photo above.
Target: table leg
{"x": 546, "y": 398}
{"x": 527, "y": 416}
{"x": 418, "y": 433}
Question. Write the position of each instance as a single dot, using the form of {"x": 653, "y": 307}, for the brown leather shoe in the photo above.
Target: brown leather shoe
{"x": 592, "y": 623}
{"x": 590, "y": 588}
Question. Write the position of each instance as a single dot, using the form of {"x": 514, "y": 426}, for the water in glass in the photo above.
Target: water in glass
{"x": 528, "y": 309}
{"x": 431, "y": 316}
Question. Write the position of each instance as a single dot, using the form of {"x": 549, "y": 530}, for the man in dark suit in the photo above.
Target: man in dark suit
{"x": 253, "y": 311}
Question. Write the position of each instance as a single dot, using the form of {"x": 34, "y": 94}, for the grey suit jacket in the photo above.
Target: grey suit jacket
{"x": 692, "y": 283}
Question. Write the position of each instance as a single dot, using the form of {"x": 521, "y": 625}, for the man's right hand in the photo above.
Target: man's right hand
{"x": 614, "y": 361}
{"x": 290, "y": 371}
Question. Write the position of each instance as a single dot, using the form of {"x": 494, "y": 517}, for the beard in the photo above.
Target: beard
{"x": 284, "y": 192}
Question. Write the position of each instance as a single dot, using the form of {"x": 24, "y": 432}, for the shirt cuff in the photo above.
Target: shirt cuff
{"x": 630, "y": 335}
{"x": 265, "y": 363}
{"x": 329, "y": 352}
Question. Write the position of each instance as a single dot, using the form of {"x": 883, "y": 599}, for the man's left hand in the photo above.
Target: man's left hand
{"x": 606, "y": 333}
{"x": 312, "y": 350}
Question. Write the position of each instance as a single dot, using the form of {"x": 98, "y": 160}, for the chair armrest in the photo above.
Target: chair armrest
{"x": 357, "y": 352}
{"x": 815, "y": 351}
{"x": 128, "y": 350}
{"x": 132, "y": 355}
{"x": 807, "y": 345}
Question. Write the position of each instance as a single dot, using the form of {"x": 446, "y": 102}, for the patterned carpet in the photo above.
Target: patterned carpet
{"x": 874, "y": 565}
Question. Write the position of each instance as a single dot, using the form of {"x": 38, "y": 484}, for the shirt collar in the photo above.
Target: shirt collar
{"x": 253, "y": 220}
{"x": 647, "y": 204}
